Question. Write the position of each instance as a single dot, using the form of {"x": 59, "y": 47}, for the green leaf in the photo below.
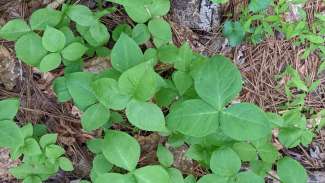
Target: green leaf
{"x": 119, "y": 29}
{"x": 74, "y": 51}
{"x": 245, "y": 116}
{"x": 190, "y": 179}
{"x": 100, "y": 166}
{"x": 112, "y": 177}
{"x": 121, "y": 149}
{"x": 315, "y": 39}
{"x": 193, "y": 118}
{"x": 168, "y": 54}
{"x": 260, "y": 168}
{"x": 99, "y": 33}
{"x": 109, "y": 94}
{"x": 290, "y": 137}
{"x": 29, "y": 49}
{"x": 267, "y": 152}
{"x": 258, "y": 5}
{"x": 61, "y": 90}
{"x": 79, "y": 86}
{"x": 175, "y": 175}
{"x": 234, "y": 32}
{"x": 14, "y": 29}
{"x": 218, "y": 81}
{"x": 126, "y": 53}
{"x": 153, "y": 120}
{"x": 152, "y": 174}
{"x": 291, "y": 171}
{"x": 183, "y": 81}
{"x": 48, "y": 139}
{"x": 50, "y": 62}
{"x": 11, "y": 136}
{"x": 165, "y": 157}
{"x": 53, "y": 40}
{"x": 161, "y": 30}
{"x": 32, "y": 179}
{"x": 69, "y": 35}
{"x": 138, "y": 13}
{"x": 95, "y": 117}
{"x": 140, "y": 82}
{"x": 44, "y": 17}
{"x": 65, "y": 164}
{"x": 245, "y": 151}
{"x": 27, "y": 130}
{"x": 159, "y": 7}
{"x": 225, "y": 162}
{"x": 8, "y": 108}
{"x": 140, "y": 34}
{"x": 212, "y": 178}
{"x": 82, "y": 15}
{"x": 54, "y": 151}
{"x": 31, "y": 147}
{"x": 249, "y": 177}
{"x": 95, "y": 145}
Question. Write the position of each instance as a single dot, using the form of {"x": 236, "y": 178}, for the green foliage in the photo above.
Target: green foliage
{"x": 173, "y": 91}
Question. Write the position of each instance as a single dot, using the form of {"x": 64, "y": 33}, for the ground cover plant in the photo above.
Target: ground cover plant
{"x": 194, "y": 104}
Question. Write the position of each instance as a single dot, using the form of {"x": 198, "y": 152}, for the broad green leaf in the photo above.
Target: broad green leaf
{"x": 225, "y": 162}
{"x": 50, "y": 62}
{"x": 29, "y": 49}
{"x": 140, "y": 34}
{"x": 99, "y": 33}
{"x": 79, "y": 86}
{"x": 315, "y": 39}
{"x": 159, "y": 7}
{"x": 165, "y": 96}
{"x": 267, "y": 152}
{"x": 220, "y": 1}
{"x": 245, "y": 151}
{"x": 260, "y": 168}
{"x": 61, "y": 90}
{"x": 146, "y": 116}
{"x": 140, "y": 82}
{"x": 11, "y": 136}
{"x": 249, "y": 177}
{"x": 65, "y": 164}
{"x": 126, "y": 53}
{"x": 54, "y": 151}
{"x": 185, "y": 56}
{"x": 82, "y": 15}
{"x": 14, "y": 29}
{"x": 53, "y": 40}
{"x": 212, "y": 178}
{"x": 165, "y": 157}
{"x": 8, "y": 108}
{"x": 198, "y": 153}
{"x": 109, "y": 94}
{"x": 245, "y": 116}
{"x": 44, "y": 17}
{"x": 111, "y": 177}
{"x": 151, "y": 55}
{"x": 138, "y": 13}
{"x": 183, "y": 81}
{"x": 95, "y": 145}
{"x": 168, "y": 54}
{"x": 258, "y": 5}
{"x": 100, "y": 166}
{"x": 234, "y": 32}
{"x": 152, "y": 174}
{"x": 95, "y": 117}
{"x": 218, "y": 81}
{"x": 290, "y": 137}
{"x": 190, "y": 179}
{"x": 160, "y": 29}
{"x": 48, "y": 139}
{"x": 121, "y": 28}
{"x": 31, "y": 147}
{"x": 27, "y": 130}
{"x": 69, "y": 35}
{"x": 291, "y": 171}
{"x": 74, "y": 51}
{"x": 175, "y": 175}
{"x": 193, "y": 118}
{"x": 32, "y": 179}
{"x": 121, "y": 149}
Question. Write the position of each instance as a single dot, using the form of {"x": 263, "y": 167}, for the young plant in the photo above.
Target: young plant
{"x": 41, "y": 157}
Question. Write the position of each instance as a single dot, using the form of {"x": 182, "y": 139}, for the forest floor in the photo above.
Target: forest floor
{"x": 195, "y": 21}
